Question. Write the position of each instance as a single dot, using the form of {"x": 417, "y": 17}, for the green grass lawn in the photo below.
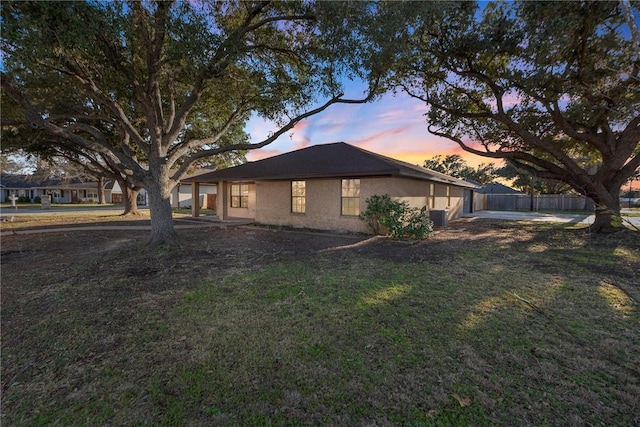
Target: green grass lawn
{"x": 489, "y": 324}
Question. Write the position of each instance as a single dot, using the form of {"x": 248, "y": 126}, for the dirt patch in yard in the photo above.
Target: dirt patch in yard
{"x": 54, "y": 257}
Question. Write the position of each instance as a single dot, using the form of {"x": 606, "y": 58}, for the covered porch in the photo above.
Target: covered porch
{"x": 235, "y": 200}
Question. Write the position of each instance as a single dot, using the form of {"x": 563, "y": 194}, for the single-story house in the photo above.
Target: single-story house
{"x": 61, "y": 190}
{"x": 326, "y": 186}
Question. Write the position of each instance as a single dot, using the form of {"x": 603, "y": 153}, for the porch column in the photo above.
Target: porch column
{"x": 221, "y": 200}
{"x": 195, "y": 199}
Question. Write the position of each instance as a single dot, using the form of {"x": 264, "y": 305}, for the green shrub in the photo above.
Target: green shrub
{"x": 396, "y": 219}
{"x": 37, "y": 199}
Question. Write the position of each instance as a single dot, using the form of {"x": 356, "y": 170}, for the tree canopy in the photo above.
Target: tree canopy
{"x": 554, "y": 89}
{"x": 156, "y": 86}
{"x": 454, "y": 165}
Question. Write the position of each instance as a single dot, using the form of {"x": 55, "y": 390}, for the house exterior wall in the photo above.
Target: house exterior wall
{"x": 224, "y": 209}
{"x": 6, "y": 193}
{"x": 57, "y": 196}
{"x": 323, "y": 201}
{"x": 322, "y": 211}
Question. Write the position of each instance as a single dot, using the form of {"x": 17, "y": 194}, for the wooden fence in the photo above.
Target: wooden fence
{"x": 544, "y": 202}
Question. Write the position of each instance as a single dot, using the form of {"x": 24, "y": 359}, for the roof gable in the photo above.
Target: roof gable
{"x": 325, "y": 161}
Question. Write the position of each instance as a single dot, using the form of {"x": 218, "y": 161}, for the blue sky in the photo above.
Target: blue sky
{"x": 394, "y": 125}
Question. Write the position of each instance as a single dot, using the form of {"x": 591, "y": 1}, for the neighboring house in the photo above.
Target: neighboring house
{"x": 116, "y": 195}
{"x": 326, "y": 186}
{"x": 497, "y": 188}
{"x": 61, "y": 190}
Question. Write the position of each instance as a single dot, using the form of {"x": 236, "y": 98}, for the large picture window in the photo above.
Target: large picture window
{"x": 298, "y": 196}
{"x": 239, "y": 195}
{"x": 350, "y": 197}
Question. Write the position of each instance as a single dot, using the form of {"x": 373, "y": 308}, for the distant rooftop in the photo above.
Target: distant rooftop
{"x": 497, "y": 188}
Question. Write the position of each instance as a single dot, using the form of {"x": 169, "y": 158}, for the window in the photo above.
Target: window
{"x": 448, "y": 196}
{"x": 298, "y": 192}
{"x": 350, "y": 197}
{"x": 239, "y": 195}
{"x": 432, "y": 196}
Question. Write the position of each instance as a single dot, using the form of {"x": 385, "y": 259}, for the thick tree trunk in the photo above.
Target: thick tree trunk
{"x": 129, "y": 198}
{"x": 162, "y": 230}
{"x": 607, "y": 202}
{"x": 130, "y": 201}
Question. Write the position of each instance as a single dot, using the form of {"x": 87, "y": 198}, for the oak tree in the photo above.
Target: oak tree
{"x": 542, "y": 85}
{"x": 156, "y": 86}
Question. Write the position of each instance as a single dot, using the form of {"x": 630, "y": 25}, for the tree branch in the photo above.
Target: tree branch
{"x": 288, "y": 126}
{"x": 98, "y": 142}
{"x": 515, "y": 155}
{"x": 180, "y": 150}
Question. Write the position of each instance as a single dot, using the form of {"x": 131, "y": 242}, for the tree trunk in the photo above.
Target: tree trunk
{"x": 162, "y": 230}
{"x": 130, "y": 201}
{"x": 607, "y": 202}
{"x": 129, "y": 198}
{"x": 102, "y": 199}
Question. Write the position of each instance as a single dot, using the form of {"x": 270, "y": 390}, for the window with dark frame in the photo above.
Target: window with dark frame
{"x": 298, "y": 196}
{"x": 239, "y": 195}
{"x": 351, "y": 197}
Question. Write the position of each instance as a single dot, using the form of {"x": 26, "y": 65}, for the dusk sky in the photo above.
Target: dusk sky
{"x": 393, "y": 126}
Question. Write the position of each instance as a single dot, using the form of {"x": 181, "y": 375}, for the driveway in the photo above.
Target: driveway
{"x": 546, "y": 217}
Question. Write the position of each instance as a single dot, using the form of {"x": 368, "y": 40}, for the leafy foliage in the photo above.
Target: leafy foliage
{"x": 454, "y": 165}
{"x": 396, "y": 218}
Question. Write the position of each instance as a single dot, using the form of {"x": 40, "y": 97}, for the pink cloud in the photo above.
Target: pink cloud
{"x": 380, "y": 135}
{"x": 262, "y": 153}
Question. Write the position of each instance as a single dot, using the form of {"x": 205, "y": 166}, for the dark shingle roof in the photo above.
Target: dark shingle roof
{"x": 498, "y": 188}
{"x": 336, "y": 160}
{"x": 14, "y": 181}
